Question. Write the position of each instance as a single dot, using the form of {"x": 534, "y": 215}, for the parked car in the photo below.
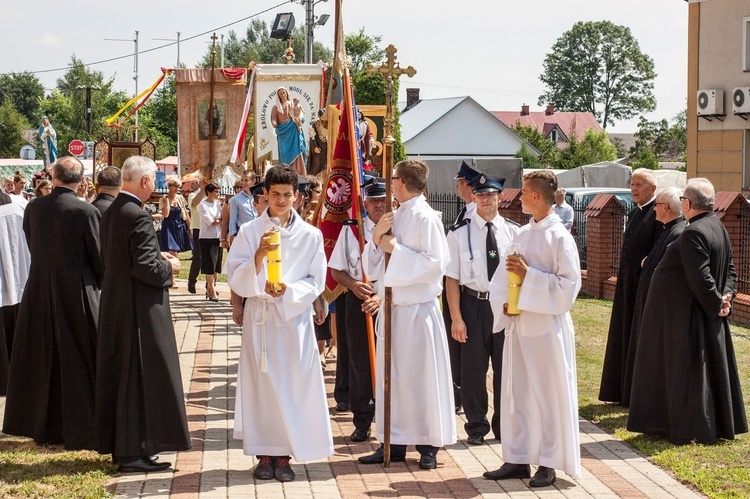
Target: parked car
{"x": 579, "y": 198}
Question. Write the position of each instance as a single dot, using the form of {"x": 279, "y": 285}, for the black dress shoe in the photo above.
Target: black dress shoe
{"x": 544, "y": 477}
{"x": 377, "y": 457}
{"x": 342, "y": 407}
{"x": 283, "y": 470}
{"x": 475, "y": 439}
{"x": 143, "y": 465}
{"x": 360, "y": 435}
{"x": 191, "y": 289}
{"x": 427, "y": 461}
{"x": 509, "y": 470}
{"x": 264, "y": 469}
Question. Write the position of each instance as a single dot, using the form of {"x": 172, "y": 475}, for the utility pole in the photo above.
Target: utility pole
{"x": 309, "y": 27}
{"x": 135, "y": 72}
{"x": 172, "y": 40}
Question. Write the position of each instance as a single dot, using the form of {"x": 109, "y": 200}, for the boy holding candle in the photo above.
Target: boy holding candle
{"x": 279, "y": 371}
{"x": 539, "y": 407}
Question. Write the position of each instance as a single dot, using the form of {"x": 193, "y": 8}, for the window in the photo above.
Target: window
{"x": 553, "y": 136}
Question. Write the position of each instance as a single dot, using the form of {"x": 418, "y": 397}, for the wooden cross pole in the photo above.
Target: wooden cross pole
{"x": 391, "y": 71}
{"x": 208, "y": 170}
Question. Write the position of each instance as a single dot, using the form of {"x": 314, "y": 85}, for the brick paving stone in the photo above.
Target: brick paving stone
{"x": 209, "y": 344}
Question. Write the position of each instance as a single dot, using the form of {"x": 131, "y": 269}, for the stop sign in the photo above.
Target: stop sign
{"x": 76, "y": 147}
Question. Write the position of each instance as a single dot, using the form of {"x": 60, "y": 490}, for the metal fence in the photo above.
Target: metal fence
{"x": 579, "y": 232}
{"x": 447, "y": 204}
{"x": 742, "y": 259}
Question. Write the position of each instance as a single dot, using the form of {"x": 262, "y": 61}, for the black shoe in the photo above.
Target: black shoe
{"x": 283, "y": 470}
{"x": 509, "y": 470}
{"x": 458, "y": 408}
{"x": 475, "y": 439}
{"x": 544, "y": 477}
{"x": 191, "y": 289}
{"x": 342, "y": 407}
{"x": 360, "y": 435}
{"x": 377, "y": 458}
{"x": 427, "y": 461}
{"x": 264, "y": 469}
{"x": 143, "y": 465}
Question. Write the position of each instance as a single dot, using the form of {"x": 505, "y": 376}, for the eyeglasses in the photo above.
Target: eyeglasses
{"x": 657, "y": 204}
{"x": 682, "y": 198}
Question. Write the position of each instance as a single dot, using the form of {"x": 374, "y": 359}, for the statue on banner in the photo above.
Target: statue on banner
{"x": 48, "y": 137}
{"x": 289, "y": 135}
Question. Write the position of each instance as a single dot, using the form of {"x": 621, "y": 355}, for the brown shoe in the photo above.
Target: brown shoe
{"x": 264, "y": 469}
{"x": 283, "y": 471}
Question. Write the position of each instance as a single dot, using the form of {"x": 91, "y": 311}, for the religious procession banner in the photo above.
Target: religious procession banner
{"x": 207, "y": 129}
{"x": 302, "y": 82}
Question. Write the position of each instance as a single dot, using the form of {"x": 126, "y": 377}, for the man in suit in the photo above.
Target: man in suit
{"x": 107, "y": 187}
{"x": 51, "y": 380}
{"x": 140, "y": 408}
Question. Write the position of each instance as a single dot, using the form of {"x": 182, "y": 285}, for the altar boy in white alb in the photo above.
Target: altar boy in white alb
{"x": 422, "y": 407}
{"x": 539, "y": 401}
{"x": 280, "y": 408}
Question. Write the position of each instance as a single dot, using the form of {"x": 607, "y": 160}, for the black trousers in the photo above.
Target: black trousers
{"x": 341, "y": 386}
{"x": 195, "y": 263}
{"x": 481, "y": 347}
{"x": 454, "y": 351}
{"x": 360, "y": 377}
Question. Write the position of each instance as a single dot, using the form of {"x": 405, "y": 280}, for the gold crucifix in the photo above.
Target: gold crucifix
{"x": 390, "y": 70}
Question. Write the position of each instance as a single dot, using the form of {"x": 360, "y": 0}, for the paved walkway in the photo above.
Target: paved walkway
{"x": 209, "y": 344}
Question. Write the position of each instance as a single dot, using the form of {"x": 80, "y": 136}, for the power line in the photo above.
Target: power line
{"x": 104, "y": 61}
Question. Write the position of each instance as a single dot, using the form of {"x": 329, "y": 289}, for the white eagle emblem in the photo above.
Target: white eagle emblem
{"x": 339, "y": 192}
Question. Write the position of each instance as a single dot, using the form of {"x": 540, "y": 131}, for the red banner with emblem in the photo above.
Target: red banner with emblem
{"x": 337, "y": 196}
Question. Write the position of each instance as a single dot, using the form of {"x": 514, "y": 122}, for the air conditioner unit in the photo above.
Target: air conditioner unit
{"x": 710, "y": 102}
{"x": 741, "y": 100}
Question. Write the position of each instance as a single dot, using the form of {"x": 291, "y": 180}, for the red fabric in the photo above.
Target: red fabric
{"x": 338, "y": 194}
{"x": 233, "y": 73}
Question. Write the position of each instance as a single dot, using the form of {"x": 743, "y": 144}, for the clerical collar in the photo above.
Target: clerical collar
{"x": 645, "y": 205}
{"x": 62, "y": 187}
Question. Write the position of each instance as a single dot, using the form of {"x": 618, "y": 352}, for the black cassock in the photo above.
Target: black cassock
{"x": 140, "y": 408}
{"x": 669, "y": 233}
{"x": 637, "y": 242}
{"x": 102, "y": 202}
{"x": 52, "y": 368}
{"x": 685, "y": 381}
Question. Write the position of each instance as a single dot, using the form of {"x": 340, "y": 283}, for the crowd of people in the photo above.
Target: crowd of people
{"x": 87, "y": 302}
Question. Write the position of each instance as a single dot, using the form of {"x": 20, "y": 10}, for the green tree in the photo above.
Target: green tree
{"x": 598, "y": 67}
{"x": 660, "y": 141}
{"x": 594, "y": 148}
{"x": 532, "y": 135}
{"x": 258, "y": 46}
{"x": 530, "y": 160}
{"x": 66, "y": 106}
{"x": 25, "y": 91}
{"x": 158, "y": 118}
{"x": 12, "y": 125}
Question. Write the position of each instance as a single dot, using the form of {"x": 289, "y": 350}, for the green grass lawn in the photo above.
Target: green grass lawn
{"x": 717, "y": 470}
{"x": 28, "y": 470}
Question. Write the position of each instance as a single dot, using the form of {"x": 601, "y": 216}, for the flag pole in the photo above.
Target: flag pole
{"x": 390, "y": 70}
{"x": 357, "y": 200}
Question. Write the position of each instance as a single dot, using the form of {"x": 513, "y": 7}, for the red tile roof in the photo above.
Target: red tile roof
{"x": 544, "y": 122}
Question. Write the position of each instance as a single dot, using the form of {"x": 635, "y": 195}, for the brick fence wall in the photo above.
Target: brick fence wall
{"x": 604, "y": 221}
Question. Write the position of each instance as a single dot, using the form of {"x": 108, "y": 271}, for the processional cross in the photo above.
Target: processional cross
{"x": 391, "y": 71}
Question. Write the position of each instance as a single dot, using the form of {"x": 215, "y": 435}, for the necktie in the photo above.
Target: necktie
{"x": 492, "y": 259}
{"x": 461, "y": 215}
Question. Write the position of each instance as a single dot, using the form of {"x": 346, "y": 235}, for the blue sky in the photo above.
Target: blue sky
{"x": 491, "y": 50}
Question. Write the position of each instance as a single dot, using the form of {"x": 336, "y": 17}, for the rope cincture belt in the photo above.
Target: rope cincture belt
{"x": 262, "y": 324}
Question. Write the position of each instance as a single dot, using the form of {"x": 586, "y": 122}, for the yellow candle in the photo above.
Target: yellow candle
{"x": 273, "y": 260}
{"x": 514, "y": 290}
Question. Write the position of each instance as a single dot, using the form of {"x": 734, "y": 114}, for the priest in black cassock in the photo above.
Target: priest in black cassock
{"x": 668, "y": 211}
{"x": 140, "y": 407}
{"x": 51, "y": 381}
{"x": 640, "y": 235}
{"x": 108, "y": 183}
{"x": 685, "y": 382}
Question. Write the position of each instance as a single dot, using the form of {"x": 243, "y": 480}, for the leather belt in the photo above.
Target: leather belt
{"x": 479, "y": 295}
